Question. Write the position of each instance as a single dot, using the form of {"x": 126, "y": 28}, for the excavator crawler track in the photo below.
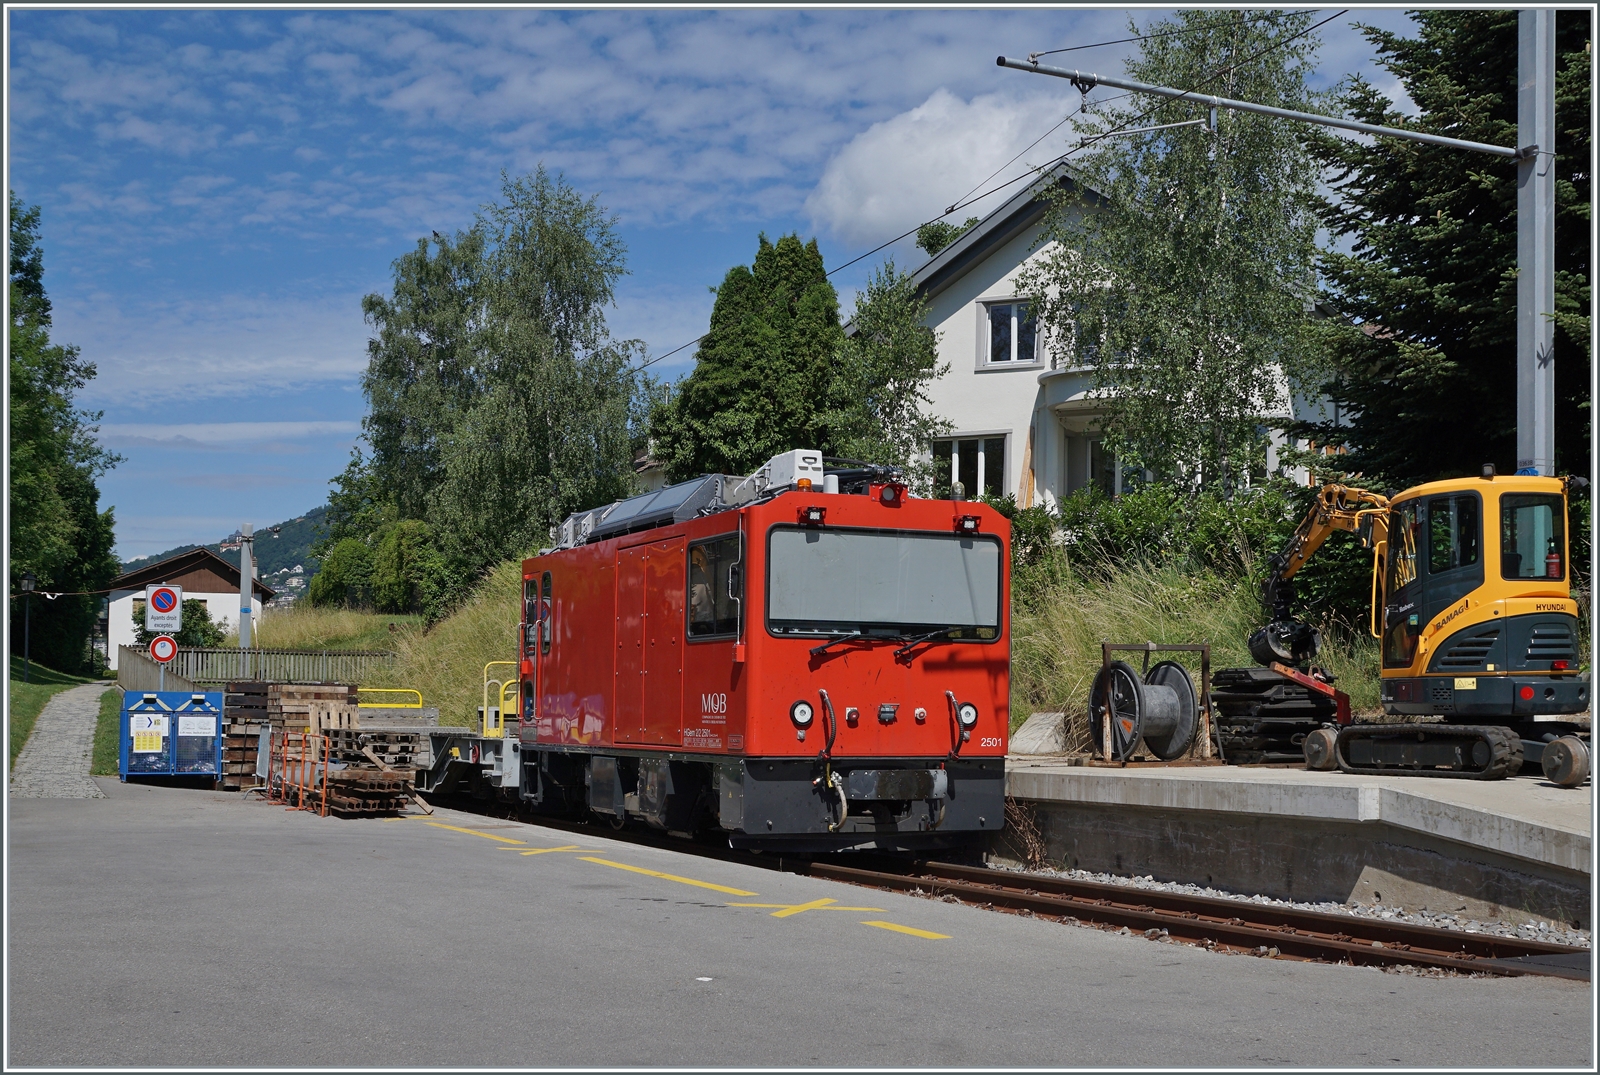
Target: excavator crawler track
{"x": 1437, "y": 750}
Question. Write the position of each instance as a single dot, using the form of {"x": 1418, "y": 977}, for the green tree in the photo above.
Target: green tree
{"x": 345, "y": 577}
{"x": 762, "y": 371}
{"x": 935, "y": 235}
{"x": 1185, "y": 288}
{"x": 199, "y": 630}
{"x": 882, "y": 371}
{"x": 1423, "y": 335}
{"x": 57, "y": 530}
{"x": 407, "y": 569}
{"x": 499, "y": 403}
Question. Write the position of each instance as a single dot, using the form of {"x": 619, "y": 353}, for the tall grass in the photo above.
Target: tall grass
{"x": 446, "y": 662}
{"x": 302, "y": 626}
{"x": 1063, "y": 611}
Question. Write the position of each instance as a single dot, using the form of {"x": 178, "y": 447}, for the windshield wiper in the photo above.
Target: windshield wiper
{"x": 912, "y": 641}
{"x": 818, "y": 651}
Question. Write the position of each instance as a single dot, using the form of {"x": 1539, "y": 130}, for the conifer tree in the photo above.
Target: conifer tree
{"x": 762, "y": 371}
{"x": 1423, "y": 325}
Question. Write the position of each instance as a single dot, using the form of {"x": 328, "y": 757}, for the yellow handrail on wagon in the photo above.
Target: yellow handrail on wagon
{"x": 494, "y": 724}
{"x": 390, "y": 705}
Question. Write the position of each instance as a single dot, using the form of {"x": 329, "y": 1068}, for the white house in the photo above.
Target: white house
{"x": 1022, "y": 424}
{"x": 204, "y": 576}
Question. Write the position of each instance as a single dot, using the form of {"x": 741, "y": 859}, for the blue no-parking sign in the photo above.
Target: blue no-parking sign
{"x": 163, "y": 608}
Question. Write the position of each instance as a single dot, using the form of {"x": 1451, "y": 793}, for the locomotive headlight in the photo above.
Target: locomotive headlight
{"x": 801, "y": 713}
{"x": 967, "y": 714}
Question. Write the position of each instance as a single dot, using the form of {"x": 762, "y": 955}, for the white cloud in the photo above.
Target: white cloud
{"x": 198, "y": 350}
{"x": 909, "y": 168}
{"x": 217, "y": 434}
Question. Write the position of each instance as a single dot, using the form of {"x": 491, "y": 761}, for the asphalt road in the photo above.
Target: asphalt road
{"x": 180, "y": 927}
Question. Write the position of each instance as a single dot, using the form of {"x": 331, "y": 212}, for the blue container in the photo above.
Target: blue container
{"x": 171, "y": 733}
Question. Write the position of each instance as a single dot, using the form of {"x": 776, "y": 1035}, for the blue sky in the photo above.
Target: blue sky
{"x": 220, "y": 188}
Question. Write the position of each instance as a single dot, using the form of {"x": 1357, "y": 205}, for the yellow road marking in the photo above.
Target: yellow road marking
{"x": 787, "y": 909}
{"x": 671, "y": 877}
{"x": 926, "y": 935}
{"x": 548, "y": 850}
{"x": 475, "y": 832}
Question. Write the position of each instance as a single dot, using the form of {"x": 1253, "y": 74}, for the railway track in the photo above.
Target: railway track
{"x": 1210, "y": 922}
{"x": 1229, "y": 925}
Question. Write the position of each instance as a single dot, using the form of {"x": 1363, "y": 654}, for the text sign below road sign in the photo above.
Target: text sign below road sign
{"x": 163, "y": 608}
{"x": 163, "y": 648}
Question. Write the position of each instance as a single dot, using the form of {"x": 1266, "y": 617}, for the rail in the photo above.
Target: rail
{"x": 1234, "y": 925}
{"x": 222, "y": 665}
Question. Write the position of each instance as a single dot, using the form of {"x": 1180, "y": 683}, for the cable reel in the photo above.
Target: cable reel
{"x": 1163, "y": 709}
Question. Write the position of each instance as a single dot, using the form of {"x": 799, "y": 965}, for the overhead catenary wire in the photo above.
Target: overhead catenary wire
{"x": 1152, "y": 37}
{"x": 1033, "y": 173}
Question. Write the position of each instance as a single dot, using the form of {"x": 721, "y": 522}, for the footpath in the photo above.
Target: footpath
{"x": 55, "y": 762}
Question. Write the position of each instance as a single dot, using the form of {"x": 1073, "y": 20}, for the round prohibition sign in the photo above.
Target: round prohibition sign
{"x": 163, "y": 600}
{"x": 163, "y": 648}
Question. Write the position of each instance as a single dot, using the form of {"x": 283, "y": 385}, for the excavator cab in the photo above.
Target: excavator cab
{"x": 1477, "y": 617}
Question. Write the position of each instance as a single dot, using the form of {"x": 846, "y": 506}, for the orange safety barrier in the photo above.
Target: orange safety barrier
{"x": 297, "y": 770}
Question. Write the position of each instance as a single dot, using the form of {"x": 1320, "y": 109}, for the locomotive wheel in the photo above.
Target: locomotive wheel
{"x": 1566, "y": 761}
{"x": 1318, "y": 749}
{"x": 1170, "y": 738}
{"x": 1118, "y": 689}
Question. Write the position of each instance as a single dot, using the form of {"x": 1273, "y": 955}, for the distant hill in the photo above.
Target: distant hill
{"x": 276, "y": 556}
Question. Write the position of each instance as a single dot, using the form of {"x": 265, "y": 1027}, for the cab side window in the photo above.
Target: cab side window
{"x": 546, "y": 610}
{"x": 715, "y": 588}
{"x": 1452, "y": 532}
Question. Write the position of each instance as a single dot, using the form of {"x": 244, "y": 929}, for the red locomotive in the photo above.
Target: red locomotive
{"x": 808, "y": 659}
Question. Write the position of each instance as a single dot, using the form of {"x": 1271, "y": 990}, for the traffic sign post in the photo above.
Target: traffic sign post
{"x": 163, "y": 608}
{"x": 162, "y": 649}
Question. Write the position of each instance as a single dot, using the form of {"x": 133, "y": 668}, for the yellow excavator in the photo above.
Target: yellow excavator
{"x": 1472, "y": 604}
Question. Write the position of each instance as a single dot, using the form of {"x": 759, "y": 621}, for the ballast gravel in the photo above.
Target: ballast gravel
{"x": 1529, "y": 930}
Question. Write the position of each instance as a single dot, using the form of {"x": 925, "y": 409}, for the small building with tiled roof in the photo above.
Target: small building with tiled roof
{"x": 204, "y": 576}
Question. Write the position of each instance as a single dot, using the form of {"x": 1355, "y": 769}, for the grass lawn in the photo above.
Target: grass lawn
{"x": 107, "y": 734}
{"x": 26, "y": 700}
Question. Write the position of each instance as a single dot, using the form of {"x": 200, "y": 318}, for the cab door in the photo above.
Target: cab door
{"x": 628, "y": 688}
{"x": 664, "y": 590}
{"x": 650, "y": 624}
{"x": 1403, "y": 586}
{"x": 1454, "y": 565}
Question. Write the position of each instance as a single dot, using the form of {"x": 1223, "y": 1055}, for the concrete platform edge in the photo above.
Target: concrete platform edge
{"x": 1509, "y": 836}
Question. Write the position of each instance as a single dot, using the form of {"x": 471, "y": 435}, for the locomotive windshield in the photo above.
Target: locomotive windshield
{"x": 828, "y": 581}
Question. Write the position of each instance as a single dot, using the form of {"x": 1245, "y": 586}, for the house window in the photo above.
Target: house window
{"x": 1088, "y": 462}
{"x": 978, "y": 463}
{"x": 1012, "y": 335}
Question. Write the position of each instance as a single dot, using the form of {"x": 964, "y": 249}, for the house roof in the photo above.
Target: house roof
{"x": 197, "y": 571}
{"x": 1018, "y": 213}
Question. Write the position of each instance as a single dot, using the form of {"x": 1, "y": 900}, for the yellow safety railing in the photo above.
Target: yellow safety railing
{"x": 494, "y": 724}
{"x": 390, "y": 705}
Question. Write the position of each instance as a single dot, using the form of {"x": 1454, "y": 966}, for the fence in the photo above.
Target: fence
{"x": 197, "y": 666}
{"x": 137, "y": 672}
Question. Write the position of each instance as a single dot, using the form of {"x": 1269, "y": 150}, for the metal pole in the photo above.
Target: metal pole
{"x": 246, "y": 588}
{"x": 27, "y": 632}
{"x": 1536, "y": 242}
{"x": 1087, "y": 80}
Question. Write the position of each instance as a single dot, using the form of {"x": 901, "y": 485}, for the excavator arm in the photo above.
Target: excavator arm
{"x": 1337, "y": 507}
